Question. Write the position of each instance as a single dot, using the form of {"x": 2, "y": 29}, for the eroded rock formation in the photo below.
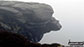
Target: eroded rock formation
{"x": 31, "y": 20}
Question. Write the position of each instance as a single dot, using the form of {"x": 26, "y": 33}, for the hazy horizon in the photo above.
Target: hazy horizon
{"x": 70, "y": 13}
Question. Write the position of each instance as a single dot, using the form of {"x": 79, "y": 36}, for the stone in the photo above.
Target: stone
{"x": 29, "y": 19}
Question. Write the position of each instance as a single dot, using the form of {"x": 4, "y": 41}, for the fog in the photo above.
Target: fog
{"x": 71, "y": 16}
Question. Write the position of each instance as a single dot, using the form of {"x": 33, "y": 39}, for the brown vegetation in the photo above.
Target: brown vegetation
{"x": 11, "y": 39}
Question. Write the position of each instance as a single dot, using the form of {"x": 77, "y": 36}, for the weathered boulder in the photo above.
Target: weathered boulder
{"x": 29, "y": 19}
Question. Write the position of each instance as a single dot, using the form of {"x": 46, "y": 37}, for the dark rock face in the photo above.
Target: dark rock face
{"x": 31, "y": 20}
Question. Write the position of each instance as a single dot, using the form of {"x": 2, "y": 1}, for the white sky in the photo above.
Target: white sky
{"x": 71, "y": 16}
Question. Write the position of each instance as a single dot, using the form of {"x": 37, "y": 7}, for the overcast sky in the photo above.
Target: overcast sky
{"x": 70, "y": 13}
